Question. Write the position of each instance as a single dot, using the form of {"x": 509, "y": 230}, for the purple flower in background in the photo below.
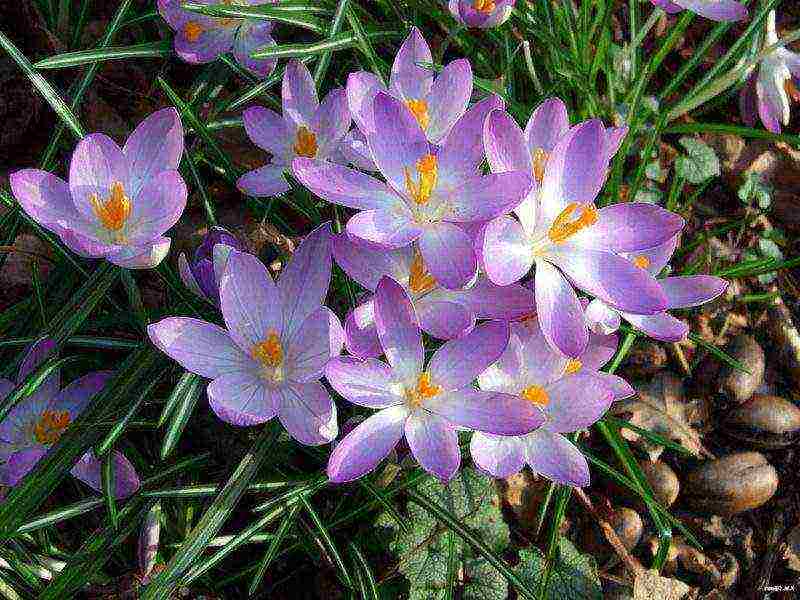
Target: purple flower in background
{"x": 428, "y": 193}
{"x": 571, "y": 242}
{"x": 436, "y": 102}
{"x": 38, "y": 421}
{"x": 442, "y": 313}
{"x": 427, "y": 404}
{"x": 572, "y": 393}
{"x": 771, "y": 88}
{"x": 279, "y": 338}
{"x": 681, "y": 292}
{"x": 717, "y": 10}
{"x": 204, "y": 272}
{"x": 307, "y": 128}
{"x": 201, "y": 39}
{"x": 482, "y": 14}
{"x": 119, "y": 202}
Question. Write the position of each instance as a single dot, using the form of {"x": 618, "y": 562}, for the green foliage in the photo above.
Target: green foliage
{"x": 573, "y": 575}
{"x": 700, "y": 162}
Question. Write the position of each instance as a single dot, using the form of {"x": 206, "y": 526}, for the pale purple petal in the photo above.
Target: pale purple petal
{"x": 242, "y": 398}
{"x": 685, "y": 292}
{"x": 485, "y": 197}
{"x": 367, "y": 265}
{"x": 620, "y": 388}
{"x": 548, "y": 123}
{"x": 299, "y": 94}
{"x": 408, "y": 80}
{"x": 599, "y": 350}
{"x": 368, "y": 444}
{"x": 364, "y": 382}
{"x": 159, "y": 206}
{"x": 500, "y": 456}
{"x": 269, "y": 131}
{"x": 448, "y": 98}
{"x": 490, "y": 412}
{"x": 660, "y": 326}
{"x": 614, "y": 139}
{"x": 555, "y": 457}
{"x": 89, "y": 468}
{"x": 434, "y": 443}
{"x": 76, "y": 396}
{"x": 211, "y": 41}
{"x": 187, "y": 277}
{"x": 19, "y": 464}
{"x": 38, "y": 353}
{"x": 331, "y": 121}
{"x": 398, "y": 329}
{"x": 506, "y": 374}
{"x": 509, "y": 248}
{"x": 316, "y": 340}
{"x": 457, "y": 363}
{"x": 539, "y": 362}
{"x": 353, "y": 149}
{"x": 361, "y": 334}
{"x": 601, "y": 318}
{"x": 560, "y": 312}
{"x": 444, "y": 319}
{"x": 463, "y": 149}
{"x": 146, "y": 256}
{"x": 96, "y": 163}
{"x": 717, "y": 10}
{"x": 254, "y": 35}
{"x": 657, "y": 257}
{"x": 46, "y": 198}
{"x": 308, "y": 413}
{"x": 668, "y": 6}
{"x": 388, "y": 228}
{"x": 505, "y": 303}
{"x": 630, "y": 226}
{"x": 575, "y": 402}
{"x": 155, "y": 145}
{"x": 264, "y": 182}
{"x": 448, "y": 253}
{"x": 506, "y": 148}
{"x": 362, "y": 87}
{"x": 343, "y": 185}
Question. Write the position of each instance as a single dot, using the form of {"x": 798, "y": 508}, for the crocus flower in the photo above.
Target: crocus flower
{"x": 436, "y": 102}
{"x": 201, "y": 39}
{"x": 571, "y": 242}
{"x": 481, "y": 14}
{"x": 716, "y": 10}
{"x": 426, "y": 403}
{"x": 572, "y": 393}
{"x": 277, "y": 341}
{"x": 203, "y": 273}
{"x": 681, "y": 292}
{"x": 38, "y": 421}
{"x": 307, "y": 128}
{"x": 119, "y": 202}
{"x": 442, "y": 313}
{"x": 427, "y": 195}
{"x": 770, "y": 89}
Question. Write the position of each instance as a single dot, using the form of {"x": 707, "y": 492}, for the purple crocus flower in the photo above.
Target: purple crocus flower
{"x": 481, "y": 14}
{"x": 277, "y": 341}
{"x": 442, "y": 313}
{"x": 38, "y": 421}
{"x": 571, "y": 242}
{"x": 771, "y": 88}
{"x": 307, "y": 128}
{"x": 119, "y": 202}
{"x": 716, "y": 10}
{"x": 428, "y": 193}
{"x": 436, "y": 102}
{"x": 572, "y": 393}
{"x": 203, "y": 273}
{"x": 201, "y": 39}
{"x": 428, "y": 404}
{"x": 681, "y": 292}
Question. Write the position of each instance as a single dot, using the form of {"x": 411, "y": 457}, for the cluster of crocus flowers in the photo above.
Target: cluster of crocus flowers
{"x": 481, "y": 14}
{"x": 277, "y": 340}
{"x": 201, "y": 39}
{"x": 716, "y": 10}
{"x": 39, "y": 420}
{"x": 202, "y": 275}
{"x": 119, "y": 202}
{"x": 307, "y": 128}
{"x": 770, "y": 89}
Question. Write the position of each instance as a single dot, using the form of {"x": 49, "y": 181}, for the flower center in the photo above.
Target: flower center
{"x": 269, "y": 351}
{"x": 427, "y": 174}
{"x": 50, "y": 426}
{"x": 536, "y": 394}
{"x": 420, "y": 280}
{"x": 540, "y": 157}
{"x": 306, "y": 144}
{"x": 642, "y": 262}
{"x": 565, "y": 225}
{"x": 193, "y": 30}
{"x": 424, "y": 390}
{"x": 484, "y": 6}
{"x": 419, "y": 108}
{"x": 113, "y": 212}
{"x": 573, "y": 366}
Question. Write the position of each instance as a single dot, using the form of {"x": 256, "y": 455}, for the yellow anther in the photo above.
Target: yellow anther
{"x": 565, "y": 226}
{"x": 419, "y": 108}
{"x": 573, "y": 366}
{"x": 419, "y": 280}
{"x": 113, "y": 212}
{"x": 193, "y": 30}
{"x": 306, "y": 144}
{"x": 642, "y": 262}
{"x": 424, "y": 390}
{"x": 269, "y": 352}
{"x": 539, "y": 163}
{"x": 50, "y": 426}
{"x": 427, "y": 172}
{"x": 484, "y": 6}
{"x": 536, "y": 394}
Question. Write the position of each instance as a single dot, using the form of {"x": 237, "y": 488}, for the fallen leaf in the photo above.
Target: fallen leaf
{"x": 649, "y": 585}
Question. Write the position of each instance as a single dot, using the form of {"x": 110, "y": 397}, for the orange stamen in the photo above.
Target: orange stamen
{"x": 113, "y": 212}
{"x": 424, "y": 390}
{"x": 565, "y": 226}
{"x": 573, "y": 366}
{"x": 427, "y": 172}
{"x": 539, "y": 163}
{"x": 419, "y": 108}
{"x": 193, "y": 30}
{"x": 419, "y": 280}
{"x": 306, "y": 144}
{"x": 484, "y": 6}
{"x": 642, "y": 262}
{"x": 536, "y": 394}
{"x": 269, "y": 352}
{"x": 50, "y": 426}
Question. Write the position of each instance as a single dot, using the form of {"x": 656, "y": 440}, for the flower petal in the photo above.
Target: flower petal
{"x": 387, "y": 228}
{"x": 716, "y": 10}
{"x": 308, "y": 413}
{"x": 457, "y": 363}
{"x": 212, "y": 40}
{"x": 555, "y": 457}
{"x": 539, "y": 362}
{"x": 408, "y": 80}
{"x": 500, "y": 456}
{"x": 367, "y": 265}
{"x": 96, "y": 163}
{"x": 600, "y": 350}
{"x": 187, "y": 277}
{"x": 565, "y": 413}
{"x": 490, "y": 412}
{"x": 343, "y": 185}
{"x": 159, "y": 206}
{"x": 685, "y": 292}
{"x": 434, "y": 443}
{"x": 368, "y": 444}
{"x": 601, "y": 318}
{"x": 506, "y": 148}
{"x": 242, "y": 398}
{"x": 19, "y": 464}
{"x": 509, "y": 248}
{"x": 38, "y": 353}
{"x": 331, "y": 122}
{"x": 448, "y": 98}
{"x": 548, "y": 124}
{"x": 361, "y": 336}
{"x": 559, "y": 310}
{"x": 89, "y": 468}
{"x": 76, "y": 396}
{"x": 448, "y": 253}
{"x": 660, "y": 326}
{"x": 505, "y": 303}
{"x": 264, "y": 182}
{"x": 317, "y": 339}
{"x": 620, "y": 388}
{"x": 364, "y": 382}
{"x": 485, "y": 197}
{"x": 362, "y": 87}
{"x": 299, "y": 94}
{"x": 269, "y": 131}
{"x": 146, "y": 256}
{"x": 398, "y": 329}
{"x": 46, "y": 198}
{"x": 253, "y": 35}
{"x": 444, "y": 319}
{"x": 155, "y": 145}
{"x": 463, "y": 149}
{"x": 630, "y": 226}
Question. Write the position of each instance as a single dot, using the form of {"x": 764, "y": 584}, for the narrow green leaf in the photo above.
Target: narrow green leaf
{"x": 718, "y": 352}
{"x": 336, "y": 25}
{"x": 159, "y": 49}
{"x": 296, "y": 18}
{"x": 272, "y": 550}
{"x": 180, "y": 416}
{"x": 60, "y": 515}
{"x": 360, "y": 560}
{"x": 108, "y": 481}
{"x": 32, "y": 382}
{"x": 327, "y": 540}
{"x": 186, "y": 383}
{"x": 340, "y": 41}
{"x": 120, "y": 425}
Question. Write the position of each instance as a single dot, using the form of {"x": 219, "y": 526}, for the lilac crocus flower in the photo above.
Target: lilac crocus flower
{"x": 716, "y": 10}
{"x": 201, "y": 39}
{"x": 442, "y": 313}
{"x": 277, "y": 341}
{"x": 572, "y": 393}
{"x": 681, "y": 292}
{"x": 119, "y": 202}
{"x": 428, "y": 194}
{"x": 428, "y": 404}
{"x": 307, "y": 128}
{"x": 436, "y": 102}
{"x": 481, "y": 14}
{"x": 202, "y": 275}
{"x": 771, "y": 88}
{"x": 571, "y": 242}
{"x": 38, "y": 421}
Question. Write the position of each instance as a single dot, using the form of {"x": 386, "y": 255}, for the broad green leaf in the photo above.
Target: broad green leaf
{"x": 573, "y": 575}
{"x": 699, "y": 163}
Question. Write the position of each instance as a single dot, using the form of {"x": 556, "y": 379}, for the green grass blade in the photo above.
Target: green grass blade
{"x": 336, "y": 25}
{"x": 341, "y": 41}
{"x": 296, "y": 18}
{"x": 108, "y": 482}
{"x": 160, "y": 49}
{"x": 369, "y": 579}
{"x": 327, "y": 540}
{"x": 32, "y": 382}
{"x": 180, "y": 416}
{"x": 272, "y": 550}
